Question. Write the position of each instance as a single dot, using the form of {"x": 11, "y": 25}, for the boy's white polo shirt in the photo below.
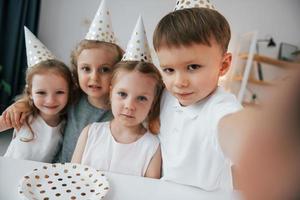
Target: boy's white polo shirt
{"x": 190, "y": 150}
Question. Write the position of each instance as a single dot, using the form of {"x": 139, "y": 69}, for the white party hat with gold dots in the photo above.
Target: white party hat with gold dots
{"x": 36, "y": 51}
{"x": 137, "y": 47}
{"x": 183, "y": 4}
{"x": 101, "y": 28}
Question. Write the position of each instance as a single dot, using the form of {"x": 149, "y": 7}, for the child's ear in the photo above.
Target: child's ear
{"x": 225, "y": 65}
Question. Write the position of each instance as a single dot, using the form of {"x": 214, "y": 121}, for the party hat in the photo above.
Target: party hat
{"x": 101, "y": 28}
{"x": 137, "y": 47}
{"x": 36, "y": 51}
{"x": 183, "y": 4}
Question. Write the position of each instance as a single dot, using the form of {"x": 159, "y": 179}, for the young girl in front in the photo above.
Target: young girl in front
{"x": 126, "y": 144}
{"x": 91, "y": 64}
{"x": 48, "y": 83}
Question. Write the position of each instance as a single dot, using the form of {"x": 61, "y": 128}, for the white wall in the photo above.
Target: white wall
{"x": 276, "y": 18}
{"x": 62, "y": 22}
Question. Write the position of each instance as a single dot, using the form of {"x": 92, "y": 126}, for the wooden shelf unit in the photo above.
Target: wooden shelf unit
{"x": 247, "y": 104}
{"x": 254, "y": 81}
{"x": 271, "y": 61}
{"x": 246, "y": 58}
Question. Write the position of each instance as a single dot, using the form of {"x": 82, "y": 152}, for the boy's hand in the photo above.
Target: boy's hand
{"x": 16, "y": 114}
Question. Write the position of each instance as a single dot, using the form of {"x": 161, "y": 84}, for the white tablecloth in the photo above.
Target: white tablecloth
{"x": 122, "y": 187}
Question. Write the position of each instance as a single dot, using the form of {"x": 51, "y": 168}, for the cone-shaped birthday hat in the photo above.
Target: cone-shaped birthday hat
{"x": 137, "y": 47}
{"x": 183, "y": 4}
{"x": 36, "y": 51}
{"x": 101, "y": 28}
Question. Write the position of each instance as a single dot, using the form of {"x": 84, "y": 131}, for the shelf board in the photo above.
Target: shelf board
{"x": 248, "y": 104}
{"x": 271, "y": 61}
{"x": 254, "y": 81}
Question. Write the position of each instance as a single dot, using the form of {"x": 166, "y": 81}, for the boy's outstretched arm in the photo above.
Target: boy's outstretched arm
{"x": 231, "y": 139}
{"x": 3, "y": 125}
{"x": 154, "y": 167}
{"x": 16, "y": 113}
{"x": 80, "y": 146}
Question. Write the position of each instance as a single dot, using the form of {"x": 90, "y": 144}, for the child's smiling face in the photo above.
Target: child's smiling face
{"x": 191, "y": 73}
{"x": 94, "y": 68}
{"x": 49, "y": 93}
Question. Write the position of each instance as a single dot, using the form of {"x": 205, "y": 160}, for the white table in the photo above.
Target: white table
{"x": 122, "y": 187}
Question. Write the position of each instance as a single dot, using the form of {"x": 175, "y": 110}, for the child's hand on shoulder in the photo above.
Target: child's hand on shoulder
{"x": 16, "y": 114}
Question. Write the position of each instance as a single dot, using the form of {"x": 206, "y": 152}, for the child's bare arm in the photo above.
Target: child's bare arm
{"x": 16, "y": 113}
{"x": 80, "y": 146}
{"x": 154, "y": 167}
{"x": 231, "y": 139}
{"x": 3, "y": 125}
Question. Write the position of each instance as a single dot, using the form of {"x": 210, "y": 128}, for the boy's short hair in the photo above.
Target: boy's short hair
{"x": 189, "y": 26}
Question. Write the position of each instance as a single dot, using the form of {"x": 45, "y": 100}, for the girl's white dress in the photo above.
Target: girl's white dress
{"x": 103, "y": 153}
{"x": 43, "y": 147}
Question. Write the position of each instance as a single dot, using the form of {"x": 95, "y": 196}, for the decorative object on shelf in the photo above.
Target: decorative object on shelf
{"x": 286, "y": 52}
{"x": 297, "y": 55}
{"x": 253, "y": 96}
{"x": 271, "y": 43}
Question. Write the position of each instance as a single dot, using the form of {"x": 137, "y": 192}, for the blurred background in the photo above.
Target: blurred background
{"x": 61, "y": 24}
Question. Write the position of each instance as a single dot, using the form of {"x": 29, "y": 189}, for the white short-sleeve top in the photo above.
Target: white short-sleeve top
{"x": 103, "y": 153}
{"x": 43, "y": 147}
{"x": 190, "y": 150}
